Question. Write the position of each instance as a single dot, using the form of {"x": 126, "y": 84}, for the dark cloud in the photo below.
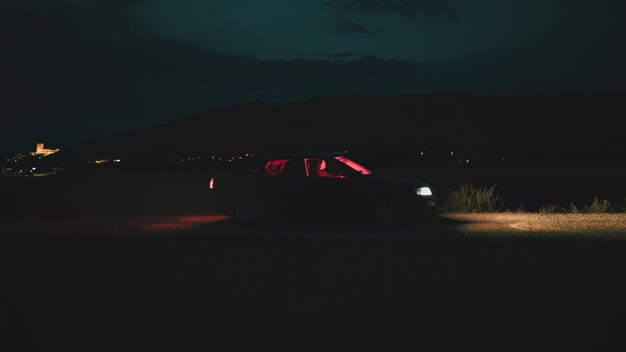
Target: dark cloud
{"x": 438, "y": 35}
{"x": 93, "y": 15}
{"x": 79, "y": 68}
{"x": 63, "y": 80}
{"x": 40, "y": 32}
{"x": 360, "y": 28}
{"x": 68, "y": 4}
{"x": 341, "y": 55}
{"x": 430, "y": 11}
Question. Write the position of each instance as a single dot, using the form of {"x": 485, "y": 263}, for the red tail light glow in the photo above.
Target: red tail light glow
{"x": 212, "y": 183}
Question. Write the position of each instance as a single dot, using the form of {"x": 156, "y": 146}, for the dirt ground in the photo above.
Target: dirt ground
{"x": 136, "y": 261}
{"x": 541, "y": 226}
{"x": 458, "y": 226}
{"x": 197, "y": 282}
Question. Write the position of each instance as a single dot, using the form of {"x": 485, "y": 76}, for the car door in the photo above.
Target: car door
{"x": 330, "y": 186}
{"x": 288, "y": 187}
{"x": 270, "y": 182}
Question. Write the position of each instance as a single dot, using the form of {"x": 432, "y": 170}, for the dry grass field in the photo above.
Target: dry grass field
{"x": 537, "y": 225}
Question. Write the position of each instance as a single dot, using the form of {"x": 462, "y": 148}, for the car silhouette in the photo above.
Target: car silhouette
{"x": 312, "y": 184}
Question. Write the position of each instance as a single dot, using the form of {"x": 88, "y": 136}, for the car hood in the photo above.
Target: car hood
{"x": 399, "y": 180}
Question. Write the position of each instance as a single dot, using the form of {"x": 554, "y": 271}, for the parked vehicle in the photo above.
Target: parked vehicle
{"x": 316, "y": 184}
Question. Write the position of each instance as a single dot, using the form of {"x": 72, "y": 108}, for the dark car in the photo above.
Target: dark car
{"x": 316, "y": 184}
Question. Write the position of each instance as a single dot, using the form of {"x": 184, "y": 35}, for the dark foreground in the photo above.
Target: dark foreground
{"x": 298, "y": 285}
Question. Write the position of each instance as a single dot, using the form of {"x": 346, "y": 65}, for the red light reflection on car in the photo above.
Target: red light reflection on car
{"x": 179, "y": 223}
{"x": 354, "y": 165}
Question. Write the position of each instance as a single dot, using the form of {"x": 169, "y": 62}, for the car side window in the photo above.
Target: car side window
{"x": 278, "y": 167}
{"x": 317, "y": 167}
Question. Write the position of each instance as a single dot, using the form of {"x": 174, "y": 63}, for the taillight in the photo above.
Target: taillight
{"x": 212, "y": 183}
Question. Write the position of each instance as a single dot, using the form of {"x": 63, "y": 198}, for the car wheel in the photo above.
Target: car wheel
{"x": 388, "y": 211}
{"x": 247, "y": 212}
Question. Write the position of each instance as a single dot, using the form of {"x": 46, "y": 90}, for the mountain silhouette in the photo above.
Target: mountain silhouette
{"x": 560, "y": 128}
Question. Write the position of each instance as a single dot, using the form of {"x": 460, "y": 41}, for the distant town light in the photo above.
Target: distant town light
{"x": 116, "y": 160}
{"x": 41, "y": 151}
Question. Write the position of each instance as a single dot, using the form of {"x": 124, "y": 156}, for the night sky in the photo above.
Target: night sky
{"x": 71, "y": 70}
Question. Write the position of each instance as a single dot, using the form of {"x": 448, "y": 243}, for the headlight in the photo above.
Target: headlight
{"x": 423, "y": 191}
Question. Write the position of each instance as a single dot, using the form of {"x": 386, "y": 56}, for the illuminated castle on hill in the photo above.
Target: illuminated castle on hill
{"x": 41, "y": 151}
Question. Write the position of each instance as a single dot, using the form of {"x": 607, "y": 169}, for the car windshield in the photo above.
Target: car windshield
{"x": 354, "y": 165}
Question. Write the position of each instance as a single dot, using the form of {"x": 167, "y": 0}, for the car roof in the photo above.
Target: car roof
{"x": 295, "y": 155}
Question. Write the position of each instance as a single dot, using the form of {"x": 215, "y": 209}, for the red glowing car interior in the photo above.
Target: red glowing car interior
{"x": 271, "y": 168}
{"x": 314, "y": 167}
{"x": 321, "y": 168}
{"x": 354, "y": 165}
{"x": 318, "y": 168}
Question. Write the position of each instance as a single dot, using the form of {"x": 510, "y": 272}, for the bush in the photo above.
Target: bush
{"x": 551, "y": 209}
{"x": 621, "y": 206}
{"x": 599, "y": 206}
{"x": 469, "y": 198}
{"x": 573, "y": 208}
